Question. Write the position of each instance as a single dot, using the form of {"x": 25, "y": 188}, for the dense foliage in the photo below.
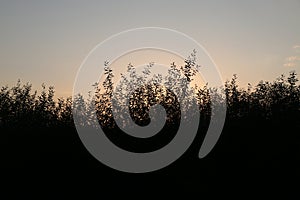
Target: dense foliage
{"x": 261, "y": 131}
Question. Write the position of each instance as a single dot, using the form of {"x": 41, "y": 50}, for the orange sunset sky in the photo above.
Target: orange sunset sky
{"x": 46, "y": 41}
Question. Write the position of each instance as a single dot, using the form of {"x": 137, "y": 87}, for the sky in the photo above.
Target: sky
{"x": 46, "y": 41}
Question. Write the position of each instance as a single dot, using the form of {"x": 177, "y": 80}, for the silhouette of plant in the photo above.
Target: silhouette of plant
{"x": 265, "y": 115}
{"x": 22, "y": 107}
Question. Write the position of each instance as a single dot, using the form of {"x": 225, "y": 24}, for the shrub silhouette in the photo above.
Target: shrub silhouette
{"x": 261, "y": 125}
{"x": 21, "y": 108}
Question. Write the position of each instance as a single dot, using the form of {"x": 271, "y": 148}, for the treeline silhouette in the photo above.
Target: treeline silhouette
{"x": 261, "y": 131}
{"x": 276, "y": 101}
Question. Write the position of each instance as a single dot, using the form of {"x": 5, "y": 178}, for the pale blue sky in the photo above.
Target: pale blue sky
{"x": 46, "y": 41}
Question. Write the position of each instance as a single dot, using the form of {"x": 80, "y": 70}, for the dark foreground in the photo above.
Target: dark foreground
{"x": 258, "y": 152}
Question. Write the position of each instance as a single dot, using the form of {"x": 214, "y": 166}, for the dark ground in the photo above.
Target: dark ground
{"x": 260, "y": 153}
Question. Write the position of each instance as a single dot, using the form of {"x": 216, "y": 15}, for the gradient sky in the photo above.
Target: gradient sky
{"x": 46, "y": 41}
